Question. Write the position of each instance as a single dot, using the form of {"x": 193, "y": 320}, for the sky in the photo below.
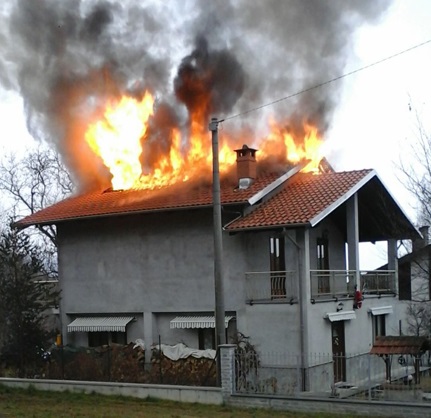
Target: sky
{"x": 374, "y": 117}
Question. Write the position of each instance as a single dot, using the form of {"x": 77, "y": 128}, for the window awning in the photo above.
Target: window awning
{"x": 99, "y": 324}
{"x": 340, "y": 316}
{"x": 381, "y": 310}
{"x": 197, "y": 321}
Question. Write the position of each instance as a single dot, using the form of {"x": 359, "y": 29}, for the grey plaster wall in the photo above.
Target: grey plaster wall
{"x": 273, "y": 327}
{"x": 154, "y": 263}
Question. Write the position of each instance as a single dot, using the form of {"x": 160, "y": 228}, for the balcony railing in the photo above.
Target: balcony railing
{"x": 378, "y": 282}
{"x": 271, "y": 287}
{"x": 336, "y": 284}
{"x": 282, "y": 286}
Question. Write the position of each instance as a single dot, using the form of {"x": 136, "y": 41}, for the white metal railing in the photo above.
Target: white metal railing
{"x": 271, "y": 287}
{"x": 332, "y": 283}
{"x": 341, "y": 283}
{"x": 378, "y": 282}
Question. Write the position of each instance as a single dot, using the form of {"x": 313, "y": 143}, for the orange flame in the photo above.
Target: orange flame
{"x": 116, "y": 138}
{"x": 282, "y": 141}
{"x": 119, "y": 137}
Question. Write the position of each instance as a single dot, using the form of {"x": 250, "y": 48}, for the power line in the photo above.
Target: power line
{"x": 326, "y": 82}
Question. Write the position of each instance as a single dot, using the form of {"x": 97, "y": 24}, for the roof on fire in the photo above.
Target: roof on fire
{"x": 272, "y": 201}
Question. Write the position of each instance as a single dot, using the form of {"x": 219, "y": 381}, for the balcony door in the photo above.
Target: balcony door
{"x": 338, "y": 351}
{"x": 277, "y": 266}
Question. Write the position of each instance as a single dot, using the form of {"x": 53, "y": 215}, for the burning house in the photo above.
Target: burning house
{"x": 135, "y": 244}
{"x": 139, "y": 263}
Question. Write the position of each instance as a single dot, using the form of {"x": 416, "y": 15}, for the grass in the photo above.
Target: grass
{"x": 31, "y": 403}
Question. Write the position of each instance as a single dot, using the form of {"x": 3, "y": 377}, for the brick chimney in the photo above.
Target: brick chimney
{"x": 245, "y": 166}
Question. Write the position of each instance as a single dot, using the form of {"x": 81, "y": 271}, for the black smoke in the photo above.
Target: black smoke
{"x": 65, "y": 57}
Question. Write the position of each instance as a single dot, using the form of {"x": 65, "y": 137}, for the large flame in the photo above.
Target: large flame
{"x": 282, "y": 141}
{"x": 119, "y": 140}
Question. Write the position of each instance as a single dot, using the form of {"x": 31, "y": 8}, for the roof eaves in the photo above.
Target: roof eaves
{"x": 19, "y": 224}
{"x": 263, "y": 227}
{"x": 400, "y": 207}
{"x": 329, "y": 209}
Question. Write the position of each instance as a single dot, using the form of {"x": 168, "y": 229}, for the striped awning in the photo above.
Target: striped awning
{"x": 197, "y": 321}
{"x": 99, "y": 324}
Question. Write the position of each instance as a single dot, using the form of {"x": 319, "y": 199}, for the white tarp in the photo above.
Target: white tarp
{"x": 179, "y": 351}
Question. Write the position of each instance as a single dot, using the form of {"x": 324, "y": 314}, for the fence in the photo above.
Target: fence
{"x": 123, "y": 363}
{"x": 363, "y": 376}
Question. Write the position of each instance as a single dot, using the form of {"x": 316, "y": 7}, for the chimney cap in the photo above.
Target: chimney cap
{"x": 245, "y": 147}
{"x": 246, "y": 150}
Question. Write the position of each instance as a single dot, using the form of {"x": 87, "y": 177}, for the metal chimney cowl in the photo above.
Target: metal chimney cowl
{"x": 246, "y": 166}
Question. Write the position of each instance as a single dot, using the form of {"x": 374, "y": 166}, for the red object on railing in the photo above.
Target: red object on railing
{"x": 357, "y": 300}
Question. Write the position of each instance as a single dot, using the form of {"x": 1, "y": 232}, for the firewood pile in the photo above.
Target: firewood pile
{"x": 126, "y": 363}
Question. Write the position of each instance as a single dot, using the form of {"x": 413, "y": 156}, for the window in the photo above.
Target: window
{"x": 277, "y": 267}
{"x": 379, "y": 326}
{"x": 206, "y": 338}
{"x": 97, "y": 339}
{"x": 322, "y": 247}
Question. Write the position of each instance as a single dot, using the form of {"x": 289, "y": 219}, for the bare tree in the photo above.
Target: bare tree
{"x": 34, "y": 182}
{"x": 31, "y": 183}
{"x": 414, "y": 171}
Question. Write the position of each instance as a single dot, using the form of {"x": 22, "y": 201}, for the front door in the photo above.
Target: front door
{"x": 339, "y": 351}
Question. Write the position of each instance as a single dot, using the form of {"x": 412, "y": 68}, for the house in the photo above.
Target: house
{"x": 139, "y": 264}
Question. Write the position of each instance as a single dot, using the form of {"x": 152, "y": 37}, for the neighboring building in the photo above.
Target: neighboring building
{"x": 415, "y": 270}
{"x": 139, "y": 264}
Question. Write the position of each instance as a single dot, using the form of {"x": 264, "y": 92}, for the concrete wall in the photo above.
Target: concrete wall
{"x": 157, "y": 263}
{"x": 204, "y": 395}
{"x": 157, "y": 266}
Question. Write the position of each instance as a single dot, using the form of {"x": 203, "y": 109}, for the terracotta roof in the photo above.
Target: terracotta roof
{"x": 400, "y": 345}
{"x": 304, "y": 197}
{"x": 186, "y": 195}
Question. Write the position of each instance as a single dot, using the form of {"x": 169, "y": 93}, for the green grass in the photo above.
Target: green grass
{"x": 31, "y": 403}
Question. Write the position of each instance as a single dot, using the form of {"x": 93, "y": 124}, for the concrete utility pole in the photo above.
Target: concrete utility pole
{"x": 218, "y": 243}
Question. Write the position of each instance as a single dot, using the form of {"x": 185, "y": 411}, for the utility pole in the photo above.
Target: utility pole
{"x": 220, "y": 330}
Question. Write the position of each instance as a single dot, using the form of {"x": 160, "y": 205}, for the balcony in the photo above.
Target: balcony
{"x": 336, "y": 284}
{"x": 378, "y": 282}
{"x": 271, "y": 287}
{"x": 282, "y": 286}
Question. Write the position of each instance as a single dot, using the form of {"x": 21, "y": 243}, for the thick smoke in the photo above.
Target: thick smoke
{"x": 66, "y": 57}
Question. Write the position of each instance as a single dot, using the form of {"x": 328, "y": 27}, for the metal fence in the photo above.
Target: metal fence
{"x": 358, "y": 376}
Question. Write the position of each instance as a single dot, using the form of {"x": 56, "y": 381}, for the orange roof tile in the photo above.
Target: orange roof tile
{"x": 303, "y": 197}
{"x": 404, "y": 344}
{"x": 186, "y": 195}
